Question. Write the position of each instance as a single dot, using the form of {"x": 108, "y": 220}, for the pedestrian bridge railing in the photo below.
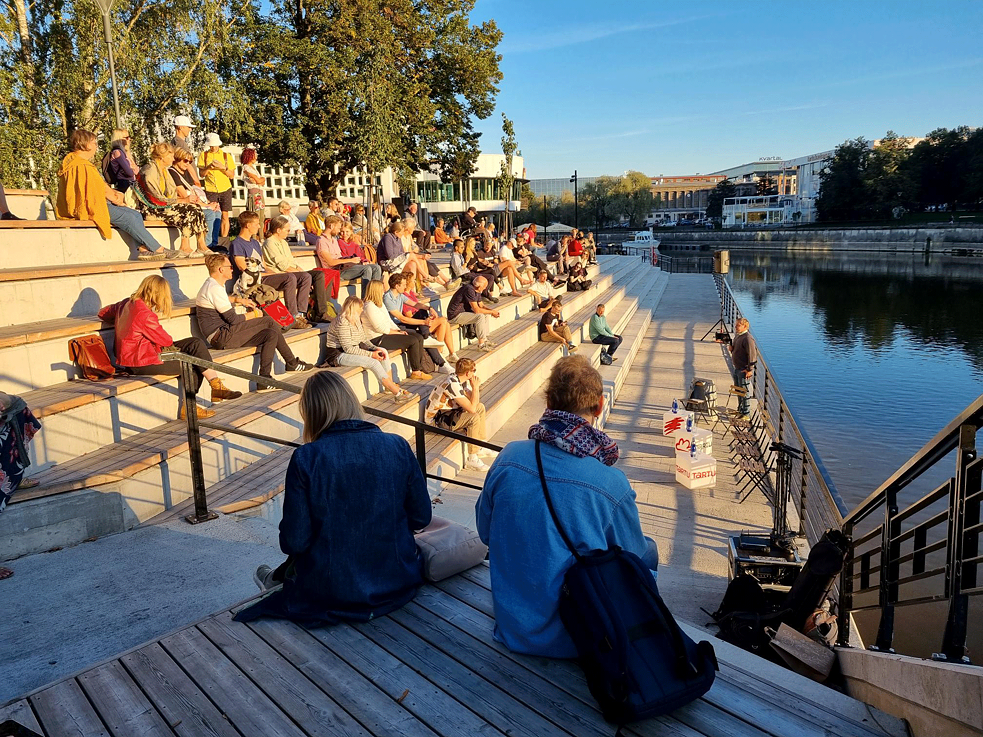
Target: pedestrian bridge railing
{"x": 907, "y": 550}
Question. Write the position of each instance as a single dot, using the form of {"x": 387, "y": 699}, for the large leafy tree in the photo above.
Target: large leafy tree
{"x": 599, "y": 200}
{"x": 633, "y": 196}
{"x": 886, "y": 181}
{"x": 54, "y": 71}
{"x": 333, "y": 84}
{"x": 716, "y": 197}
{"x": 843, "y": 182}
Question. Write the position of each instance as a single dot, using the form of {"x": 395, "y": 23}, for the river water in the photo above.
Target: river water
{"x": 874, "y": 353}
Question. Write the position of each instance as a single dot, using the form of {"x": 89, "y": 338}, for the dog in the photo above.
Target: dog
{"x": 250, "y": 286}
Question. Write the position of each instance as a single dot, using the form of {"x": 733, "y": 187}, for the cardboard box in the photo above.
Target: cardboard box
{"x": 699, "y": 472}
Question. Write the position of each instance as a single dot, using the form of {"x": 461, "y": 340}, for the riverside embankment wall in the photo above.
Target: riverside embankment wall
{"x": 935, "y": 239}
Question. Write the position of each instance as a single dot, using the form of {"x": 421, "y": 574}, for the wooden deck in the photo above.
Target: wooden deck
{"x": 430, "y": 668}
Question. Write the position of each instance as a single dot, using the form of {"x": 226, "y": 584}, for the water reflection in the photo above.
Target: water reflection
{"x": 874, "y": 353}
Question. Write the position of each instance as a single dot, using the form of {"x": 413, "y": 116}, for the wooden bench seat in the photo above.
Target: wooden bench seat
{"x": 56, "y": 224}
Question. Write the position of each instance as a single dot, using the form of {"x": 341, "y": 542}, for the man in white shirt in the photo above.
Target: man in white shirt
{"x": 455, "y": 404}
{"x": 224, "y": 328}
{"x": 542, "y": 291}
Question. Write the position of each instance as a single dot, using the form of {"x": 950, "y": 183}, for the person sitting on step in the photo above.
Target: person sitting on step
{"x": 294, "y": 226}
{"x": 314, "y": 224}
{"x": 295, "y": 285}
{"x": 351, "y": 341}
{"x": 419, "y": 317}
{"x": 597, "y": 511}
{"x": 455, "y": 404}
{"x": 542, "y": 291}
{"x": 330, "y": 256}
{"x": 84, "y": 195}
{"x": 279, "y": 259}
{"x": 384, "y": 333}
{"x": 465, "y": 308}
{"x": 601, "y": 334}
{"x": 140, "y": 339}
{"x": 224, "y": 327}
{"x": 553, "y": 328}
{"x": 351, "y": 555}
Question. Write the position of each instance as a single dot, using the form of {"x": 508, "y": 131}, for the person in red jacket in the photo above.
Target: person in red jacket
{"x": 140, "y": 339}
{"x": 576, "y": 248}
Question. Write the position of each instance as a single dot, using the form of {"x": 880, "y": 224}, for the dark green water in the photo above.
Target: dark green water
{"x": 874, "y": 353}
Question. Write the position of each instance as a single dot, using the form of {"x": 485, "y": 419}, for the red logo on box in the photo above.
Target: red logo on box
{"x": 672, "y": 425}
{"x": 682, "y": 444}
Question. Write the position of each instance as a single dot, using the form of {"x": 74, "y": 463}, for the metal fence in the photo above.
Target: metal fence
{"x": 932, "y": 540}
{"x": 686, "y": 264}
{"x": 201, "y": 513}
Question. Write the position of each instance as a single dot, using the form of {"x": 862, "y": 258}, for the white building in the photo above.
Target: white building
{"x": 481, "y": 190}
{"x": 760, "y": 210}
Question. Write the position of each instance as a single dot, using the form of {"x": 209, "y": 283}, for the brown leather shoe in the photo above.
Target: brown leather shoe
{"x": 203, "y": 413}
{"x": 221, "y": 392}
{"x": 420, "y": 376}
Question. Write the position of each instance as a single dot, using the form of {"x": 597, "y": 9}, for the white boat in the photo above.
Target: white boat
{"x": 640, "y": 239}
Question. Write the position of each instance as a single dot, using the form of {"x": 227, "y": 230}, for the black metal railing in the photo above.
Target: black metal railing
{"x": 686, "y": 264}
{"x": 201, "y": 513}
{"x": 933, "y": 542}
{"x": 815, "y": 497}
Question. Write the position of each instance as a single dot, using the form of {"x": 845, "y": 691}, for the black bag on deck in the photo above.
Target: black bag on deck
{"x": 637, "y": 661}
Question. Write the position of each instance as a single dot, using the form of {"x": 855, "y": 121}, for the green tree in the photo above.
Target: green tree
{"x": 716, "y": 197}
{"x": 634, "y": 196}
{"x": 506, "y": 177}
{"x": 939, "y": 167}
{"x": 599, "y": 200}
{"x": 886, "y": 181}
{"x": 342, "y": 82}
{"x": 767, "y": 186}
{"x": 843, "y": 182}
{"x": 54, "y": 71}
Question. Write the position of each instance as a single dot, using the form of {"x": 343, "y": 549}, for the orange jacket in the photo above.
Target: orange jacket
{"x": 82, "y": 194}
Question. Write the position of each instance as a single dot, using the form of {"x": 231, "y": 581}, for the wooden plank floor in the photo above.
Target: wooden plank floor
{"x": 431, "y": 668}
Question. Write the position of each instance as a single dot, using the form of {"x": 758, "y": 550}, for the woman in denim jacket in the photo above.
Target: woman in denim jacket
{"x": 594, "y": 501}
{"x": 348, "y": 520}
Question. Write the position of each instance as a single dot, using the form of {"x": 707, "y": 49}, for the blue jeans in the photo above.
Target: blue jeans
{"x": 129, "y": 221}
{"x": 213, "y": 225}
{"x": 367, "y": 272}
{"x": 743, "y": 382}
{"x": 611, "y": 343}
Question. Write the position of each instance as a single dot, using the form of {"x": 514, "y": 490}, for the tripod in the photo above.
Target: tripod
{"x": 719, "y": 324}
{"x": 781, "y": 536}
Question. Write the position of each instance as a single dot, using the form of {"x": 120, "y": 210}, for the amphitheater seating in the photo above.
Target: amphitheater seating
{"x": 110, "y": 454}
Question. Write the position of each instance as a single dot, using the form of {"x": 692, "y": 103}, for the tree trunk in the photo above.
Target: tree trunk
{"x": 26, "y": 52}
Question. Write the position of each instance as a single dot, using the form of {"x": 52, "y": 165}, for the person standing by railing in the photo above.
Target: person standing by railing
{"x": 743, "y": 353}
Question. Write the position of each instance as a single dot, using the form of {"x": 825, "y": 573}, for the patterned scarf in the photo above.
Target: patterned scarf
{"x": 573, "y": 434}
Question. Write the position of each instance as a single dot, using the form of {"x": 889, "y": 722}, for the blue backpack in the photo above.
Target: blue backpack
{"x": 637, "y": 661}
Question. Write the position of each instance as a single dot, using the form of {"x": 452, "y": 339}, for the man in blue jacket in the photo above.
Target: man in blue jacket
{"x": 594, "y": 501}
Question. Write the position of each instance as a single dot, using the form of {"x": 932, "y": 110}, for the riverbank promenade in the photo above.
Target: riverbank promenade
{"x": 433, "y": 667}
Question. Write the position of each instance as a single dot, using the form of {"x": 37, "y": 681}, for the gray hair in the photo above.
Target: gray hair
{"x": 409, "y": 224}
{"x": 326, "y": 399}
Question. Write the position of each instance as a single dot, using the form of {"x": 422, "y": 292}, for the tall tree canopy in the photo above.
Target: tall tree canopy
{"x": 331, "y": 84}
{"x": 324, "y": 84}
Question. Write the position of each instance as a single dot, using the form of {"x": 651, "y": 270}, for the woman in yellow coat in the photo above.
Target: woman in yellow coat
{"x": 83, "y": 195}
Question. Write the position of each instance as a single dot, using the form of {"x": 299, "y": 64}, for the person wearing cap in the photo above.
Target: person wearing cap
{"x": 182, "y": 128}
{"x": 218, "y": 168}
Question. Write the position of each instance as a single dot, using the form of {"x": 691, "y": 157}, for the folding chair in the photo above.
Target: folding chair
{"x": 703, "y": 401}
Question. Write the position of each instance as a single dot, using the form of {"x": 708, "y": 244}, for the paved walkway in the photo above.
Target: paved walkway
{"x": 691, "y": 527}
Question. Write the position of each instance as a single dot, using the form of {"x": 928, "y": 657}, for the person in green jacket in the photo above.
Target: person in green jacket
{"x": 600, "y": 333}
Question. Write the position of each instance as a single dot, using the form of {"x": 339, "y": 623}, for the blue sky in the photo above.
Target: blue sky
{"x": 679, "y": 88}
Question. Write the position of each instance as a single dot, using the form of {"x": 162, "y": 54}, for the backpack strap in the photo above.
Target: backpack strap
{"x": 549, "y": 503}
{"x": 684, "y": 666}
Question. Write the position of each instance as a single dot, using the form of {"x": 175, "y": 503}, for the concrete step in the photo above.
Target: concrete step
{"x": 625, "y": 318}
{"x": 117, "y": 486}
{"x": 80, "y": 417}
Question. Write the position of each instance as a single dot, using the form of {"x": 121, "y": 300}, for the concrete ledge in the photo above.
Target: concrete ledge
{"x": 935, "y": 698}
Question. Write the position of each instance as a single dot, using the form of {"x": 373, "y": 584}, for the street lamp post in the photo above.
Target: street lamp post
{"x": 106, "y": 6}
{"x": 576, "y": 223}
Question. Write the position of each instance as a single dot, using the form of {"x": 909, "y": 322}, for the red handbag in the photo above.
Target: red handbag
{"x": 89, "y": 355}
{"x": 279, "y": 313}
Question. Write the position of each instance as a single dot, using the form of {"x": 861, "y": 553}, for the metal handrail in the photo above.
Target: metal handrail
{"x": 201, "y": 513}
{"x": 696, "y": 264}
{"x": 963, "y": 497}
{"x": 784, "y": 420}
